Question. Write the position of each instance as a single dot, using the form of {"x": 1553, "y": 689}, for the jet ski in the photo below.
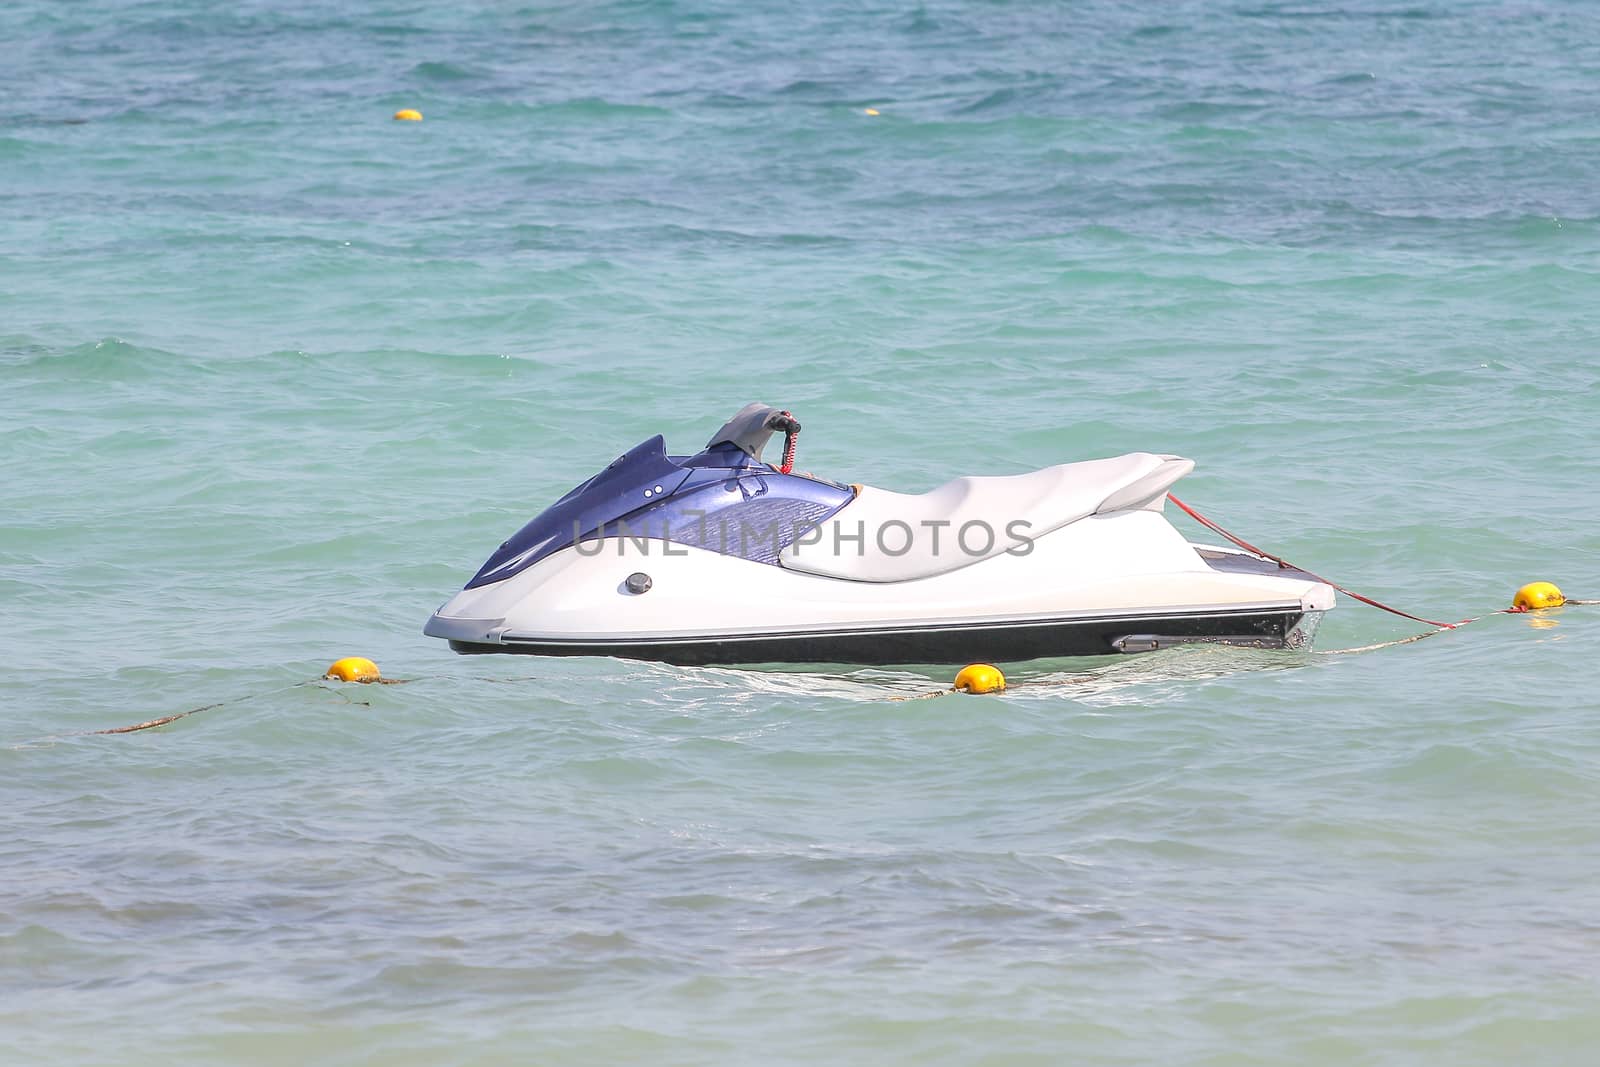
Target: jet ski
{"x": 723, "y": 558}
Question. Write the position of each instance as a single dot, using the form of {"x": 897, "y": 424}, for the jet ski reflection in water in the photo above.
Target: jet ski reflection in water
{"x": 721, "y": 558}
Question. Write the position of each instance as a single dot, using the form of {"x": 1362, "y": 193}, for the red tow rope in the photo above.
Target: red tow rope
{"x": 1248, "y": 547}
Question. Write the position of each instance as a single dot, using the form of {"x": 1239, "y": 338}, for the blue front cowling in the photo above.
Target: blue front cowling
{"x": 634, "y": 478}
{"x": 720, "y": 500}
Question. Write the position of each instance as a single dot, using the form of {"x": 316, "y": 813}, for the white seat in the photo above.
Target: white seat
{"x": 895, "y": 537}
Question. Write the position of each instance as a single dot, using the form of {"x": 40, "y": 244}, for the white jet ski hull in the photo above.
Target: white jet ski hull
{"x": 1124, "y": 581}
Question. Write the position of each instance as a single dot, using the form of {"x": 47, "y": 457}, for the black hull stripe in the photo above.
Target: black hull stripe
{"x": 1007, "y": 642}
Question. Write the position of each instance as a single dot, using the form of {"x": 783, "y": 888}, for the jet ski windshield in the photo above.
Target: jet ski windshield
{"x": 640, "y": 475}
{"x": 723, "y": 498}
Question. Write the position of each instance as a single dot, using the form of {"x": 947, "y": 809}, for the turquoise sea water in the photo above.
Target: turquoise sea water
{"x": 278, "y": 373}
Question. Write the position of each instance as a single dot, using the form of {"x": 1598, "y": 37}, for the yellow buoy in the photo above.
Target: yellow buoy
{"x": 408, "y": 114}
{"x": 1537, "y": 595}
{"x": 869, "y": 111}
{"x": 980, "y": 678}
{"x": 354, "y": 669}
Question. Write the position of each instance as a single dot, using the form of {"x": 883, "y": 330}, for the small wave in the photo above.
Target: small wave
{"x": 1301, "y": 11}
{"x": 14, "y": 148}
{"x": 1000, "y": 98}
{"x": 434, "y": 70}
{"x": 107, "y": 358}
{"x": 1200, "y": 111}
{"x": 806, "y": 87}
{"x": 1350, "y": 79}
{"x": 593, "y": 107}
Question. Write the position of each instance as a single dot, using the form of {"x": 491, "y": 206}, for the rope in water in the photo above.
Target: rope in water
{"x": 1248, "y": 547}
{"x": 151, "y": 724}
{"x": 364, "y": 678}
{"x": 1438, "y": 627}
